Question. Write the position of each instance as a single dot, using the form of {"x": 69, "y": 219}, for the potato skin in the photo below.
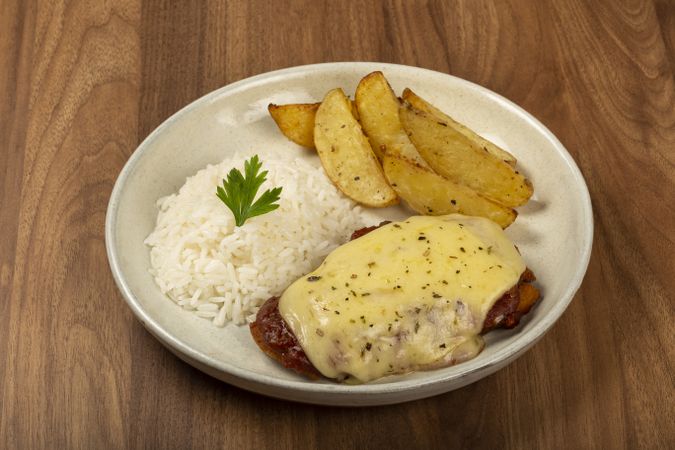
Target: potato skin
{"x": 378, "y": 111}
{"x": 437, "y": 165}
{"x": 419, "y": 103}
{"x": 455, "y": 157}
{"x": 346, "y": 155}
{"x": 296, "y": 121}
{"x": 430, "y": 194}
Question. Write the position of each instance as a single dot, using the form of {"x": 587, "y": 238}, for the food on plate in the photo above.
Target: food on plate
{"x": 222, "y": 272}
{"x": 346, "y": 155}
{"x": 223, "y": 262}
{"x": 238, "y": 192}
{"x": 455, "y": 157}
{"x": 378, "y": 113}
{"x": 429, "y": 193}
{"x": 411, "y": 295}
{"x": 418, "y": 294}
{"x": 435, "y": 164}
{"x": 296, "y": 121}
{"x": 419, "y": 103}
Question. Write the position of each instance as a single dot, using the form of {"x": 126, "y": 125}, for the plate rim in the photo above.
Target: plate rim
{"x": 338, "y": 393}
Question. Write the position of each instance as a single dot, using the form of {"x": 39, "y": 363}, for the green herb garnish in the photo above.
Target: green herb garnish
{"x": 239, "y": 191}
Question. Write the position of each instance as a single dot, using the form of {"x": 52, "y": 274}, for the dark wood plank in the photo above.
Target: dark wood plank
{"x": 83, "y": 83}
{"x": 66, "y": 376}
{"x": 13, "y": 19}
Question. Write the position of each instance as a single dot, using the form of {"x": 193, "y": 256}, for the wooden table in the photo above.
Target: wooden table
{"x": 82, "y": 83}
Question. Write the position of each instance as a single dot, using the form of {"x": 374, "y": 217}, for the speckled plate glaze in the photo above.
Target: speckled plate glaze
{"x": 554, "y": 231}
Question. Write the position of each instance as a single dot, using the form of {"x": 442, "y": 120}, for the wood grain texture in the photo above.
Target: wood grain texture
{"x": 84, "y": 81}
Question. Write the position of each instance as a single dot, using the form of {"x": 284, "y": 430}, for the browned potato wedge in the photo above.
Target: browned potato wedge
{"x": 296, "y": 121}
{"x": 421, "y": 104}
{"x": 457, "y": 158}
{"x": 378, "y": 112}
{"x": 346, "y": 154}
{"x": 430, "y": 194}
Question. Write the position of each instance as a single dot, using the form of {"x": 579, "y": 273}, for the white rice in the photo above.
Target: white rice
{"x": 224, "y": 273}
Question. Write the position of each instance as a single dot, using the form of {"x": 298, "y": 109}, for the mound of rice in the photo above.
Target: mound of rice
{"x": 224, "y": 273}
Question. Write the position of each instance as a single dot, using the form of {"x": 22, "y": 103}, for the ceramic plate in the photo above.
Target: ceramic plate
{"x": 553, "y": 231}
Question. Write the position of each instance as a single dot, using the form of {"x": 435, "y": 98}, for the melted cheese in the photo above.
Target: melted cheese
{"x": 408, "y": 296}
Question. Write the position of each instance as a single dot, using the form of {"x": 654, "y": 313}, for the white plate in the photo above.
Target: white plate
{"x": 554, "y": 231}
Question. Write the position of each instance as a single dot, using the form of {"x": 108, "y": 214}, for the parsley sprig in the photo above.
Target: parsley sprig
{"x": 239, "y": 191}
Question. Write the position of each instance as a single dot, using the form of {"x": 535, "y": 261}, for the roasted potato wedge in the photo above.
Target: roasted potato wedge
{"x": 378, "y": 113}
{"x": 296, "y": 121}
{"x": 419, "y": 103}
{"x": 457, "y": 158}
{"x": 430, "y": 194}
{"x": 346, "y": 154}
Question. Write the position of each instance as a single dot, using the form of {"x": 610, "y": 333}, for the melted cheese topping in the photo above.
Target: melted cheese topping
{"x": 408, "y": 296}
